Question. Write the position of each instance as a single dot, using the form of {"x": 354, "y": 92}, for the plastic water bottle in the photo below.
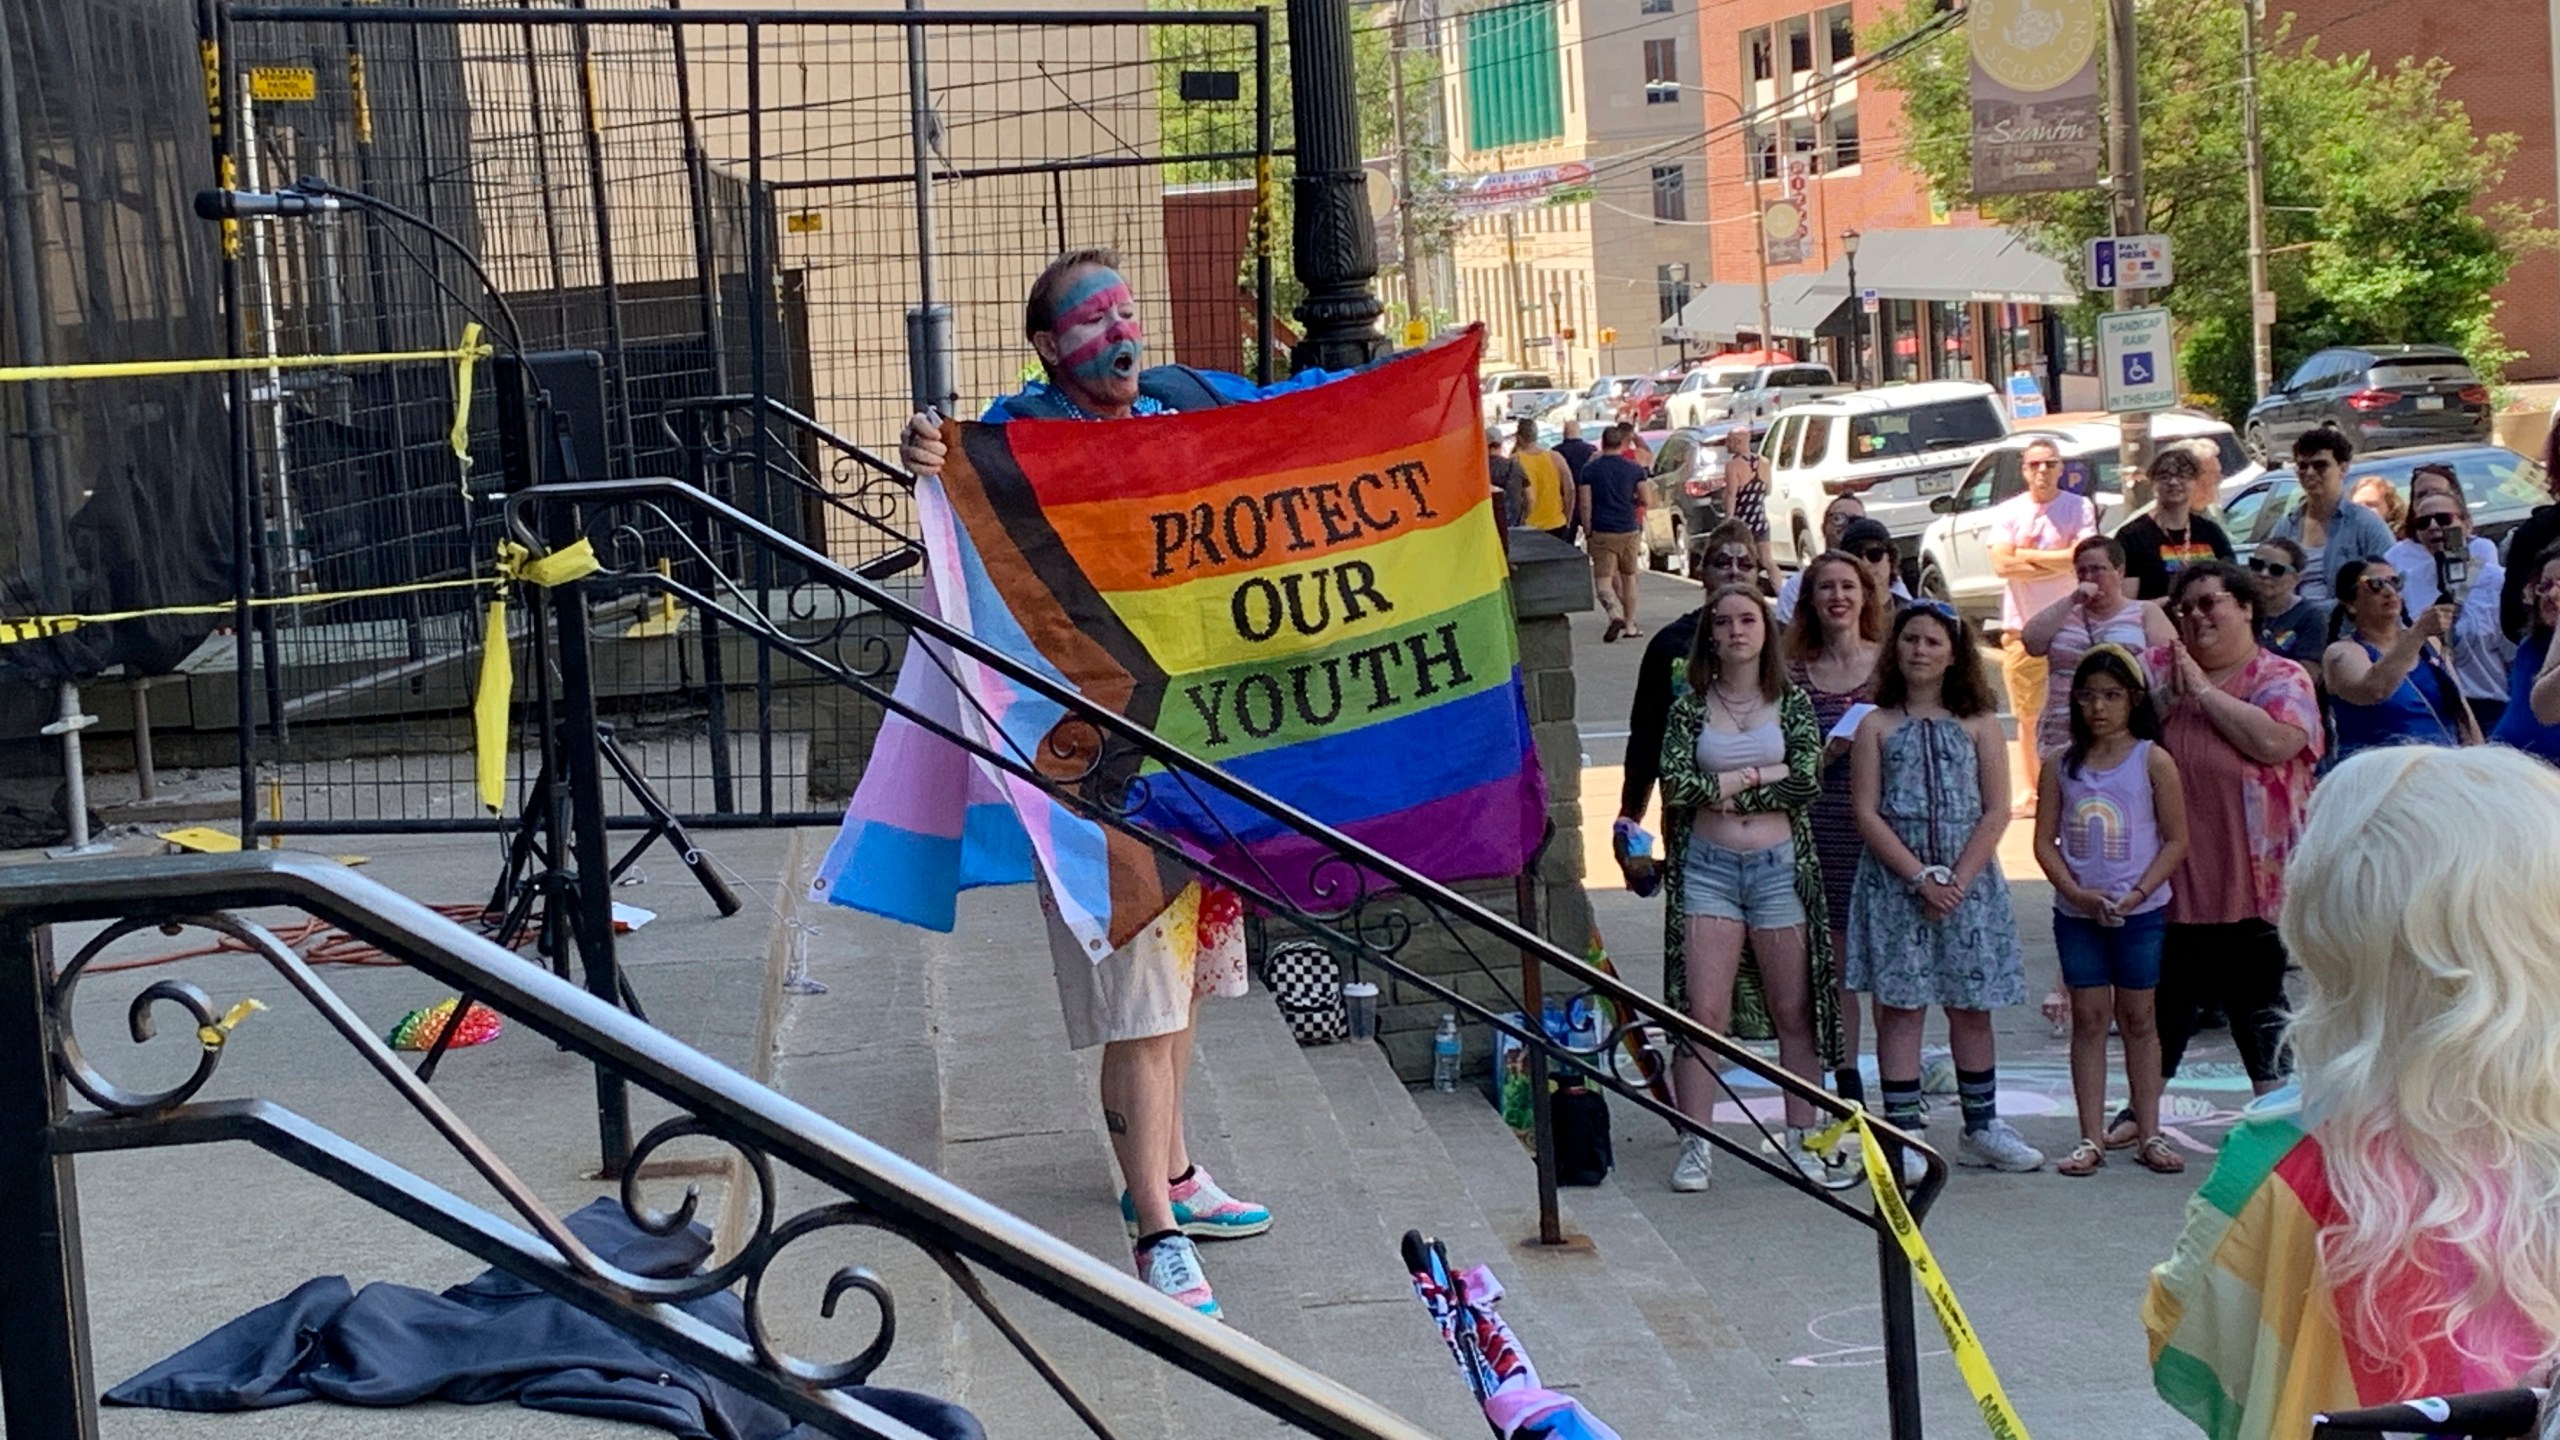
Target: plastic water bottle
{"x": 1444, "y": 1055}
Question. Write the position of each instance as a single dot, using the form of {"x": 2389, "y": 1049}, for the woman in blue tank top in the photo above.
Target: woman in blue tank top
{"x": 2388, "y": 682}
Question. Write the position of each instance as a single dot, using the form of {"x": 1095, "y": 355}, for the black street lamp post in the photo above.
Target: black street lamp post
{"x": 1334, "y": 243}
{"x": 1857, "y": 308}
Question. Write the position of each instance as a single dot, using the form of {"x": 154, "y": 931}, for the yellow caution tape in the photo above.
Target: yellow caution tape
{"x": 212, "y": 1036}
{"x": 489, "y": 708}
{"x": 574, "y": 561}
{"x": 128, "y": 369}
{"x": 1998, "y": 1415}
{"x": 470, "y": 351}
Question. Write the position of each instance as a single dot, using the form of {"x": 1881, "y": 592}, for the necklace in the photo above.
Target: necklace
{"x": 1734, "y": 710}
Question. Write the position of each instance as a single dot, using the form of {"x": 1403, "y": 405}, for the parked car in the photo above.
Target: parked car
{"x": 1703, "y": 396}
{"x": 1955, "y": 560}
{"x": 2382, "y": 397}
{"x": 1769, "y": 389}
{"x": 1688, "y": 469}
{"x": 1510, "y": 394}
{"x": 1600, "y": 401}
{"x": 1642, "y": 405}
{"x": 1896, "y": 448}
{"x": 2500, "y": 486}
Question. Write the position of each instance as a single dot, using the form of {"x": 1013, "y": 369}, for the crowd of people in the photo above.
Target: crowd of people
{"x": 1835, "y": 780}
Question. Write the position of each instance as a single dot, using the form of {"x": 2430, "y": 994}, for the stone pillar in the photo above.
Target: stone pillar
{"x": 1549, "y": 581}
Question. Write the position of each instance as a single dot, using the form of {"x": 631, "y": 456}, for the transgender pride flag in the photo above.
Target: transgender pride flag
{"x": 1309, "y": 592}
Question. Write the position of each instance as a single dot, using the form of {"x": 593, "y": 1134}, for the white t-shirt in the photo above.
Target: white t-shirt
{"x": 2481, "y": 651}
{"x": 2022, "y": 524}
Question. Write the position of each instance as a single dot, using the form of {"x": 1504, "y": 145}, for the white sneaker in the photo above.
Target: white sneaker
{"x": 1695, "y": 1169}
{"x": 1830, "y": 1171}
{"x": 1172, "y": 1265}
{"x": 1915, "y": 1168}
{"x": 1998, "y": 1147}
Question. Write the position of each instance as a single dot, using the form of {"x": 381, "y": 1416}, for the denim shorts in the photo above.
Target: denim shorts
{"x": 1755, "y": 887}
{"x": 2126, "y": 956}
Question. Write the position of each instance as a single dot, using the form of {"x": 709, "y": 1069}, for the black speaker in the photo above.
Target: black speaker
{"x": 551, "y": 417}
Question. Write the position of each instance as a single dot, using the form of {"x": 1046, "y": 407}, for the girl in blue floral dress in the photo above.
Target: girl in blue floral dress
{"x": 1929, "y": 916}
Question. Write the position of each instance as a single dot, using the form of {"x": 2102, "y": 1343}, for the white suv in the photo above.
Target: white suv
{"x": 1896, "y": 449}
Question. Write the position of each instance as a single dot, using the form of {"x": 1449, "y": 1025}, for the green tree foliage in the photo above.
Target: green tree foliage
{"x": 2371, "y": 179}
{"x": 1203, "y": 129}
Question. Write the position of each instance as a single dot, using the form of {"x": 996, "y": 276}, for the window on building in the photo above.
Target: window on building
{"x": 1671, "y": 282}
{"x": 1764, "y": 151}
{"x": 1755, "y": 47}
{"x": 1804, "y": 138}
{"x": 1515, "y": 81}
{"x": 1843, "y": 125}
{"x": 1799, "y": 44}
{"x": 1843, "y": 30}
{"x": 1670, "y": 192}
{"x": 1653, "y": 7}
{"x": 1661, "y": 71}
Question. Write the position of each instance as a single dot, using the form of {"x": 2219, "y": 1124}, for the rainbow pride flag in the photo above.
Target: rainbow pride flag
{"x": 1308, "y": 591}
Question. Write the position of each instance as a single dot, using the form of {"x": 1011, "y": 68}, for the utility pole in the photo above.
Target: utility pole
{"x": 1412, "y": 266}
{"x": 1519, "y": 289}
{"x": 2262, "y": 300}
{"x": 2124, "y": 166}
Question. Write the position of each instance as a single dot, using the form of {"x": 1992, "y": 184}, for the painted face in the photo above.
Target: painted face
{"x": 1097, "y": 341}
{"x": 1837, "y": 518}
{"x": 1730, "y": 565}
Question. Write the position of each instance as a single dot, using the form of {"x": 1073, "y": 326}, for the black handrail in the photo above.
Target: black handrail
{"x": 882, "y": 480}
{"x": 44, "y": 1373}
{"x": 1104, "y": 785}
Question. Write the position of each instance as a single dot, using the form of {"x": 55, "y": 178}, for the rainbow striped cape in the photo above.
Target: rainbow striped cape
{"x": 2243, "y": 1320}
{"x": 1309, "y": 591}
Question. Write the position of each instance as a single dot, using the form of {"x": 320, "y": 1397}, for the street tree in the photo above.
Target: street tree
{"x": 2373, "y": 182}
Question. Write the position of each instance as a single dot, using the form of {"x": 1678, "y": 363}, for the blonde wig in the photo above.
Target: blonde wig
{"x": 2424, "y": 908}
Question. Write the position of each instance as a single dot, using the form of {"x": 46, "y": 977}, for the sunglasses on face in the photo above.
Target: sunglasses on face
{"x": 2044, "y": 464}
{"x": 1874, "y": 553}
{"x": 2434, "y": 522}
{"x": 2321, "y": 466}
{"x": 2269, "y": 567}
{"x": 2382, "y": 584}
{"x": 2201, "y": 605}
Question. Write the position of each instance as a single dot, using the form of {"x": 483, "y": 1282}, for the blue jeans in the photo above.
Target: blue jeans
{"x": 2126, "y": 956}
{"x": 1755, "y": 887}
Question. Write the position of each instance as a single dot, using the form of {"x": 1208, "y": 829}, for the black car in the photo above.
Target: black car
{"x": 2381, "y": 397}
{"x": 1688, "y": 473}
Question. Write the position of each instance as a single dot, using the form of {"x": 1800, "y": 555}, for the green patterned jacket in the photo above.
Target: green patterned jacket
{"x": 1685, "y": 789}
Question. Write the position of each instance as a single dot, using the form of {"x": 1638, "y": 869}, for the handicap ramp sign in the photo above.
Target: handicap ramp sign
{"x": 2136, "y": 362}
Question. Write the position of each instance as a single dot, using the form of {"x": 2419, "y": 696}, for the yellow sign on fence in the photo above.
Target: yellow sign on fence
{"x": 804, "y": 222}
{"x": 283, "y": 82}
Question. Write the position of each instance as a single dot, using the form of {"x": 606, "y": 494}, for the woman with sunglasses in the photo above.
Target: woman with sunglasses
{"x": 2388, "y": 682}
{"x": 2520, "y": 726}
{"x": 2293, "y": 626}
{"x": 2437, "y": 537}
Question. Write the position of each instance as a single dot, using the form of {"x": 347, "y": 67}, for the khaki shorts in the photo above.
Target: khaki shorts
{"x": 1612, "y": 554}
{"x": 2029, "y": 677}
{"x": 1148, "y": 986}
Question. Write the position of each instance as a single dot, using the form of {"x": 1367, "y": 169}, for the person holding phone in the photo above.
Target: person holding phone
{"x": 2388, "y": 680}
{"x": 2439, "y": 558}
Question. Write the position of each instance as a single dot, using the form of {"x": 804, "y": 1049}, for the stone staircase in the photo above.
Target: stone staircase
{"x": 949, "y": 1049}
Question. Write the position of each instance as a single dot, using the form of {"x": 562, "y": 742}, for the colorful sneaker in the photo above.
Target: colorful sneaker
{"x": 1172, "y": 1265}
{"x": 1203, "y": 1211}
{"x": 1996, "y": 1146}
{"x": 1695, "y": 1170}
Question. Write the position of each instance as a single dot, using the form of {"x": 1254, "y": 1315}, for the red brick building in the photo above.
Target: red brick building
{"x": 2502, "y": 54}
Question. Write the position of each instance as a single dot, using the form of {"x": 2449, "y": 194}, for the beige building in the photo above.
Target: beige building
{"x": 1577, "y": 271}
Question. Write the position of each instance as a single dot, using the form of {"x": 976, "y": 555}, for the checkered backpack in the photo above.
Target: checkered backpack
{"x": 1307, "y": 982}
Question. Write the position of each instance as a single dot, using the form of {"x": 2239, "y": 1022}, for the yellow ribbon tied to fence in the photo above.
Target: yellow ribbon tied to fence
{"x": 1998, "y": 1415}
{"x": 489, "y": 708}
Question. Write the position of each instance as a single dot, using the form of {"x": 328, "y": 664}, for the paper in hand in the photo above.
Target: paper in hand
{"x": 1847, "y": 729}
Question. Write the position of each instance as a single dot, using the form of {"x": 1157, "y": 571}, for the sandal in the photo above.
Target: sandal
{"x": 2155, "y": 1155}
{"x": 2085, "y": 1159}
